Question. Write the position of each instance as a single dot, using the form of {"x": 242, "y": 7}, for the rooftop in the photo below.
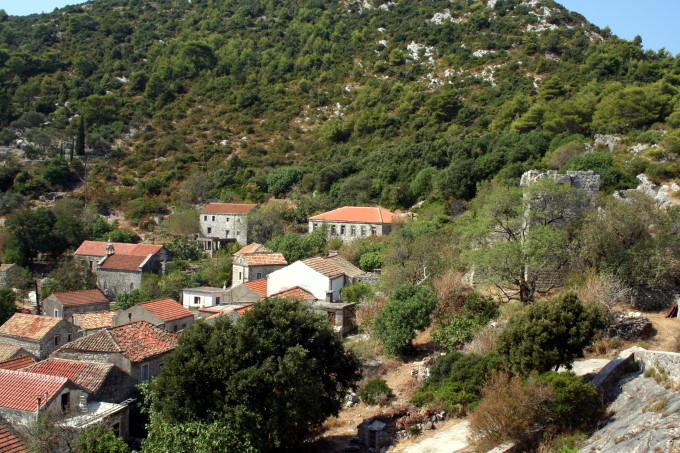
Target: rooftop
{"x": 166, "y": 309}
{"x": 9, "y": 443}
{"x": 323, "y": 266}
{"x": 98, "y": 248}
{"x": 71, "y": 298}
{"x": 20, "y": 389}
{"x": 205, "y": 289}
{"x": 17, "y": 363}
{"x": 259, "y": 286}
{"x": 264, "y": 259}
{"x": 345, "y": 266}
{"x": 8, "y": 351}
{"x": 123, "y": 262}
{"x": 95, "y": 320}
{"x": 253, "y": 248}
{"x": 296, "y": 292}
{"x": 228, "y": 208}
{"x": 137, "y": 341}
{"x": 88, "y": 375}
{"x": 33, "y": 327}
{"x": 359, "y": 214}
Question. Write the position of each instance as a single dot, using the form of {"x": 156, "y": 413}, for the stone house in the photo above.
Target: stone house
{"x": 221, "y": 223}
{"x": 90, "y": 323}
{"x": 166, "y": 314}
{"x": 94, "y": 251}
{"x": 66, "y": 304}
{"x": 11, "y": 351}
{"x": 354, "y": 222}
{"x": 254, "y": 262}
{"x": 138, "y": 348}
{"x": 38, "y": 335}
{"x": 246, "y": 293}
{"x": 202, "y": 296}
{"x": 7, "y": 271}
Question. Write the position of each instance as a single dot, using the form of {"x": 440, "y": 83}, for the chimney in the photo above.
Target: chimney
{"x": 329, "y": 296}
{"x": 332, "y": 253}
{"x": 109, "y": 248}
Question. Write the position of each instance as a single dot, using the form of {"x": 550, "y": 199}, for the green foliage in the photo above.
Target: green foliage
{"x": 185, "y": 249}
{"x": 71, "y": 274}
{"x": 371, "y": 261}
{"x": 283, "y": 371}
{"x": 98, "y": 439}
{"x": 139, "y": 208}
{"x": 184, "y": 221}
{"x": 357, "y": 292}
{"x": 375, "y": 391}
{"x": 574, "y": 404}
{"x": 208, "y": 437}
{"x": 7, "y": 305}
{"x": 216, "y": 271}
{"x": 30, "y": 233}
{"x": 549, "y": 333}
{"x": 281, "y": 180}
{"x": 408, "y": 310}
{"x": 456, "y": 333}
{"x": 295, "y": 247}
{"x": 126, "y": 300}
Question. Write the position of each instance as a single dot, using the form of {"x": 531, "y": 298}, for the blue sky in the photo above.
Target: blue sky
{"x": 654, "y": 20}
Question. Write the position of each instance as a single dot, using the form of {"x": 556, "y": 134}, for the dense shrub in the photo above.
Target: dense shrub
{"x": 376, "y": 391}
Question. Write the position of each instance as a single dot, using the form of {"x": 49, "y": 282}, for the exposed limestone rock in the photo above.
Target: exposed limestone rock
{"x": 586, "y": 180}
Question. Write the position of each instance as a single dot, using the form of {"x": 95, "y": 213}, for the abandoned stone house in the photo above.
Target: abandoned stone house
{"x": 7, "y": 272}
{"x": 221, "y": 223}
{"x": 93, "y": 252}
{"x": 254, "y": 262}
{"x": 138, "y": 348}
{"x": 38, "y": 335}
{"x": 166, "y": 314}
{"x": 66, "y": 304}
{"x": 354, "y": 222}
{"x": 11, "y": 351}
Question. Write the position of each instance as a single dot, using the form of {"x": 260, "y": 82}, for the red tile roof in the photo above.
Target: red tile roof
{"x": 253, "y": 248}
{"x": 20, "y": 389}
{"x": 123, "y": 262}
{"x": 98, "y": 248}
{"x": 88, "y": 375}
{"x": 137, "y": 341}
{"x": 166, "y": 309}
{"x": 70, "y": 298}
{"x": 95, "y": 320}
{"x": 8, "y": 351}
{"x": 33, "y": 327}
{"x": 242, "y": 310}
{"x": 323, "y": 266}
{"x": 345, "y": 266}
{"x": 9, "y": 443}
{"x": 17, "y": 363}
{"x": 358, "y": 214}
{"x": 259, "y": 286}
{"x": 264, "y": 259}
{"x": 295, "y": 292}
{"x": 228, "y": 208}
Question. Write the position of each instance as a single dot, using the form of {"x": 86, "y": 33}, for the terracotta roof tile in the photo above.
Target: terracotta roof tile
{"x": 88, "y": 375}
{"x": 123, "y": 262}
{"x": 323, "y": 266}
{"x": 17, "y": 363}
{"x": 9, "y": 443}
{"x": 70, "y": 298}
{"x": 24, "y": 325}
{"x": 359, "y": 214}
{"x": 242, "y": 310}
{"x": 259, "y": 286}
{"x": 137, "y": 341}
{"x": 8, "y": 351}
{"x": 295, "y": 292}
{"x": 95, "y": 320}
{"x": 20, "y": 389}
{"x": 345, "y": 266}
{"x": 253, "y": 248}
{"x": 166, "y": 309}
{"x": 98, "y": 248}
{"x": 264, "y": 259}
{"x": 228, "y": 208}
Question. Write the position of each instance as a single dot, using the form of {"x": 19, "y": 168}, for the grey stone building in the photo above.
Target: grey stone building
{"x": 221, "y": 223}
{"x": 166, "y": 314}
{"x": 66, "y": 304}
{"x": 38, "y": 335}
{"x": 254, "y": 262}
{"x": 354, "y": 222}
{"x": 94, "y": 251}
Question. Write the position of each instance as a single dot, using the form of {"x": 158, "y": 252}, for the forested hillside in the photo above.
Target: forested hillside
{"x": 355, "y": 102}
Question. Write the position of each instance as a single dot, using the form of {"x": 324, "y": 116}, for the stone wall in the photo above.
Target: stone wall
{"x": 586, "y": 180}
{"x": 51, "y": 303}
{"x": 113, "y": 282}
{"x": 242, "y": 273}
{"x": 225, "y": 226}
{"x": 661, "y": 361}
{"x": 349, "y": 231}
{"x": 53, "y": 340}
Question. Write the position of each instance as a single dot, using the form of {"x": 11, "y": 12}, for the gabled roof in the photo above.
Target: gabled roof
{"x": 323, "y": 266}
{"x": 33, "y": 327}
{"x": 98, "y": 248}
{"x": 259, "y": 286}
{"x": 137, "y": 341}
{"x": 88, "y": 375}
{"x": 345, "y": 266}
{"x": 206, "y": 289}
{"x": 295, "y": 292}
{"x": 228, "y": 208}
{"x": 166, "y": 309}
{"x": 123, "y": 262}
{"x": 17, "y": 363}
{"x": 264, "y": 259}
{"x": 8, "y": 351}
{"x": 253, "y": 248}
{"x": 359, "y": 214}
{"x": 95, "y": 320}
{"x": 9, "y": 443}
{"x": 72, "y": 298}
{"x": 20, "y": 389}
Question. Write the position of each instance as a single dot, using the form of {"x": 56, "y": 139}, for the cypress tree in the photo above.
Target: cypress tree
{"x": 80, "y": 139}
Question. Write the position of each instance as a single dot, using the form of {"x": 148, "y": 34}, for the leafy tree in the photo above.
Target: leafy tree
{"x": 184, "y": 221}
{"x": 207, "y": 437}
{"x": 408, "y": 310}
{"x": 281, "y": 180}
{"x": 265, "y": 223}
{"x": 71, "y": 274}
{"x": 549, "y": 333}
{"x": 185, "y": 249}
{"x": 100, "y": 439}
{"x": 575, "y": 404}
{"x": 273, "y": 377}
{"x": 217, "y": 271}
{"x": 295, "y": 247}
{"x": 357, "y": 292}
{"x": 126, "y": 300}
{"x": 7, "y": 305}
{"x": 80, "y": 138}
{"x": 143, "y": 207}
{"x": 30, "y": 233}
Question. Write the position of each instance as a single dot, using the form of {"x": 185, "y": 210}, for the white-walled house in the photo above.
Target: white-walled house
{"x": 318, "y": 276}
{"x": 221, "y": 223}
{"x": 203, "y": 296}
{"x": 354, "y": 222}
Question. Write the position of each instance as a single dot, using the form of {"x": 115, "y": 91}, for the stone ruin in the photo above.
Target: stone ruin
{"x": 586, "y": 180}
{"x": 629, "y": 326}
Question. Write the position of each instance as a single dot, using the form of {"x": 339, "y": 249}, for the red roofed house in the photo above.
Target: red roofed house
{"x": 221, "y": 223}
{"x": 246, "y": 293}
{"x": 65, "y": 305}
{"x": 38, "y": 335}
{"x": 354, "y": 222}
{"x": 254, "y": 262}
{"x": 94, "y": 251}
{"x": 93, "y": 322}
{"x": 17, "y": 363}
{"x": 9, "y": 443}
{"x": 137, "y": 348}
{"x": 165, "y": 314}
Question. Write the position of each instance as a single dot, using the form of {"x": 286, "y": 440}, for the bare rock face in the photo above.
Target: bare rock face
{"x": 630, "y": 326}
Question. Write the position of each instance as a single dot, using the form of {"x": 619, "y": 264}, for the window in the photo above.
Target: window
{"x": 174, "y": 328}
{"x": 240, "y": 276}
{"x": 145, "y": 372}
{"x": 197, "y": 300}
{"x": 56, "y": 313}
{"x": 209, "y": 230}
{"x": 374, "y": 231}
{"x": 342, "y": 230}
{"x": 57, "y": 339}
{"x": 227, "y": 219}
{"x": 238, "y": 233}
{"x": 217, "y": 301}
{"x": 208, "y": 245}
{"x": 183, "y": 326}
{"x": 65, "y": 400}
{"x": 315, "y": 226}
{"x": 68, "y": 338}
{"x": 132, "y": 286}
{"x": 205, "y": 217}
{"x": 333, "y": 230}
{"x": 213, "y": 218}
{"x": 259, "y": 275}
{"x": 354, "y": 230}
{"x": 227, "y": 233}
{"x": 363, "y": 231}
